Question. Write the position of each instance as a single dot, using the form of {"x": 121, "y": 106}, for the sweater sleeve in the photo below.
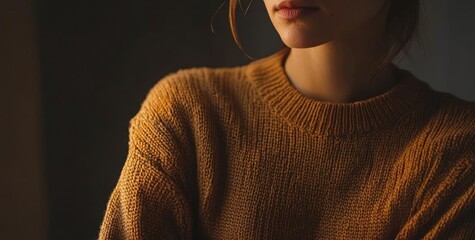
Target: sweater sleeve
{"x": 448, "y": 205}
{"x": 456, "y": 200}
{"x": 150, "y": 200}
{"x": 458, "y": 221}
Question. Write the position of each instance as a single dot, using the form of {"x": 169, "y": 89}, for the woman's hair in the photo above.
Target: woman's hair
{"x": 401, "y": 24}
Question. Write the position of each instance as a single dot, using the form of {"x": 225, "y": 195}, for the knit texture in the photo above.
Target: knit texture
{"x": 239, "y": 153}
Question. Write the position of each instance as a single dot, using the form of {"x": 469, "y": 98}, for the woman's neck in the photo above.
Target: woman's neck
{"x": 342, "y": 70}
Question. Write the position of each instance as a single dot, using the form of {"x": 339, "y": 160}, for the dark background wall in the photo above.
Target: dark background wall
{"x": 98, "y": 60}
{"x": 75, "y": 72}
{"x": 448, "y": 34}
{"x": 23, "y": 213}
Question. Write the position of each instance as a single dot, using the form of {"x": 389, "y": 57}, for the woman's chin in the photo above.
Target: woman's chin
{"x": 299, "y": 38}
{"x": 302, "y": 43}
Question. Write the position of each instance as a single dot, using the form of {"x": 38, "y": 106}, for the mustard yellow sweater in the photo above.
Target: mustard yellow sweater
{"x": 239, "y": 153}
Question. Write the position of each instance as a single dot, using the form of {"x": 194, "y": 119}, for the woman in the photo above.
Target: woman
{"x": 325, "y": 139}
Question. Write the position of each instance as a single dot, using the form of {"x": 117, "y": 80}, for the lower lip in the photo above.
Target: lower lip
{"x": 294, "y": 13}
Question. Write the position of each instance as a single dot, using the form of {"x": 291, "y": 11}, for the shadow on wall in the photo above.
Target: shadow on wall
{"x": 22, "y": 204}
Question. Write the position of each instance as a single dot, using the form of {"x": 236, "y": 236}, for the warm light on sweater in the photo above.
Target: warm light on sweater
{"x": 238, "y": 153}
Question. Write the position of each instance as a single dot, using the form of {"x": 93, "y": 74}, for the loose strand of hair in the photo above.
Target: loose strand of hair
{"x": 232, "y": 24}
{"x": 216, "y": 13}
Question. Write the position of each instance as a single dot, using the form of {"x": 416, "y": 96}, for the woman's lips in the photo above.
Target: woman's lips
{"x": 294, "y": 13}
{"x": 294, "y": 9}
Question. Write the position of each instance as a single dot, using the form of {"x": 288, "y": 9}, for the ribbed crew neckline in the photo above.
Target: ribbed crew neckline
{"x": 326, "y": 118}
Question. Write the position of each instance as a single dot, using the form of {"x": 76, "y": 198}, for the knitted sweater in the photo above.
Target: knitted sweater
{"x": 239, "y": 153}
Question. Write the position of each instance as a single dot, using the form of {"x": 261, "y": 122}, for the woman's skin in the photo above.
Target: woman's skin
{"x": 334, "y": 49}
